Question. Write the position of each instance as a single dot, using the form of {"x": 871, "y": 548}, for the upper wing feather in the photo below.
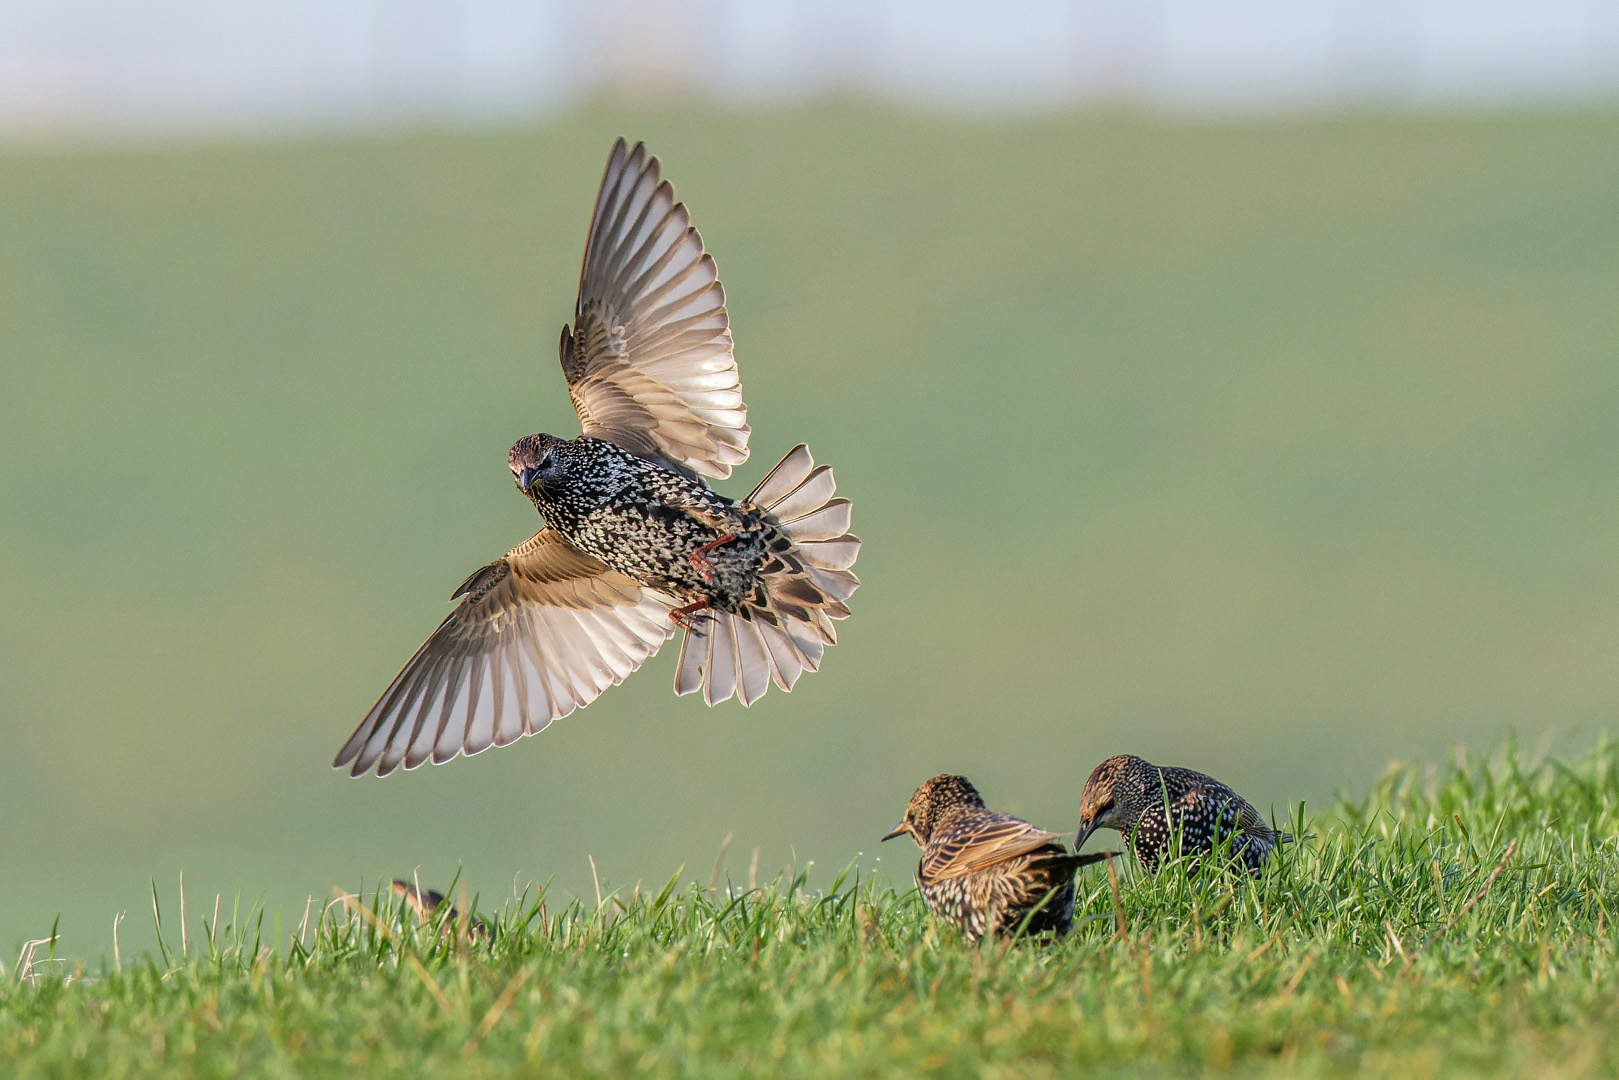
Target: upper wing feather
{"x": 649, "y": 362}
{"x": 1248, "y": 819}
{"x": 988, "y": 839}
{"x": 536, "y": 634}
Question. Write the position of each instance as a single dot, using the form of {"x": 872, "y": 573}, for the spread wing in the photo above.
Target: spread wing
{"x": 648, "y": 361}
{"x": 981, "y": 842}
{"x": 537, "y": 633}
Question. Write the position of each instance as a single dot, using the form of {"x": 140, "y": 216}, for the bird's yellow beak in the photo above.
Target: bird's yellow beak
{"x": 897, "y": 830}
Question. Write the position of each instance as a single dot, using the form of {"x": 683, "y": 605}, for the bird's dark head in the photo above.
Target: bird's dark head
{"x": 1114, "y": 796}
{"x": 533, "y": 460}
{"x": 931, "y": 804}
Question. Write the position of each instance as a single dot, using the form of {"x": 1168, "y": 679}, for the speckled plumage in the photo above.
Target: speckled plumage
{"x": 983, "y": 870}
{"x": 635, "y": 544}
{"x": 647, "y": 522}
{"x": 1149, "y": 805}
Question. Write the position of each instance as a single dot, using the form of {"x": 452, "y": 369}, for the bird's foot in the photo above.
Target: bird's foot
{"x": 699, "y": 557}
{"x": 684, "y": 617}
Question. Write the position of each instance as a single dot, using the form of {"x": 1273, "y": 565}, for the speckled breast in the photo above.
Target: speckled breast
{"x": 638, "y": 519}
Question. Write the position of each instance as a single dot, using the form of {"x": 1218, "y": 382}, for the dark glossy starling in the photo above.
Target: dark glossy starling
{"x": 426, "y": 903}
{"x": 986, "y": 871}
{"x": 635, "y": 543}
{"x": 1149, "y": 804}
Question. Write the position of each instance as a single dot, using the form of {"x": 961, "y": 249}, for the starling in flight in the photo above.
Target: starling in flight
{"x": 986, "y": 871}
{"x": 635, "y": 544}
{"x": 1150, "y": 805}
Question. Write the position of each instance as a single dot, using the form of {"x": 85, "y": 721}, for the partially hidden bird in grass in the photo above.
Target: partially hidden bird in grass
{"x": 426, "y": 904}
{"x": 985, "y": 871}
{"x": 1162, "y": 812}
{"x": 635, "y": 544}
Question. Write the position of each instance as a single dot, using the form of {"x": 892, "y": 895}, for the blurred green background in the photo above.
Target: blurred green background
{"x": 1276, "y": 448}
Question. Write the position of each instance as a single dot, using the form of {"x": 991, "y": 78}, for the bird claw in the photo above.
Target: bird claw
{"x": 684, "y": 617}
{"x": 699, "y": 557}
{"x": 704, "y": 571}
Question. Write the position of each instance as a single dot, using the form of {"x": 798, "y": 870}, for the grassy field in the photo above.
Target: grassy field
{"x": 1277, "y": 448}
{"x": 1451, "y": 923}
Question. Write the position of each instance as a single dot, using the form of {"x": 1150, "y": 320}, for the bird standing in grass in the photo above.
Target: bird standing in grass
{"x": 1154, "y": 808}
{"x": 635, "y": 544}
{"x": 986, "y": 871}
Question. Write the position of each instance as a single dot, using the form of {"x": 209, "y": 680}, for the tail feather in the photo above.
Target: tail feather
{"x": 838, "y": 584}
{"x": 812, "y": 493}
{"x": 833, "y": 553}
{"x": 807, "y": 578}
{"x": 807, "y": 640}
{"x": 1066, "y": 863}
{"x": 752, "y": 662}
{"x": 821, "y": 622}
{"x": 830, "y": 521}
{"x": 721, "y": 659}
{"x": 789, "y": 474}
{"x": 689, "y": 670}
{"x": 787, "y": 663}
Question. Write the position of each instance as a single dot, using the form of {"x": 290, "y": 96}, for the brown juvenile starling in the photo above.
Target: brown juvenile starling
{"x": 635, "y": 543}
{"x": 1151, "y": 805}
{"x": 986, "y": 871}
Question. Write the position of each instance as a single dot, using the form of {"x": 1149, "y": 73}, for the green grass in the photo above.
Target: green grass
{"x": 1450, "y": 923}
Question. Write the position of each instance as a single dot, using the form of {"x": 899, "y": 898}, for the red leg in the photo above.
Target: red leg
{"x": 698, "y": 561}
{"x": 682, "y": 617}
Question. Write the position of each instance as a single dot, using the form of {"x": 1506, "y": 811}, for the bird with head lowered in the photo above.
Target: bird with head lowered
{"x": 1162, "y": 812}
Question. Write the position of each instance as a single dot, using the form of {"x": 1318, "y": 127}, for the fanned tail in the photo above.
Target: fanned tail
{"x": 807, "y": 580}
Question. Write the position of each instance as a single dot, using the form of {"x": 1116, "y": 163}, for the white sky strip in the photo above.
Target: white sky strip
{"x": 191, "y": 65}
